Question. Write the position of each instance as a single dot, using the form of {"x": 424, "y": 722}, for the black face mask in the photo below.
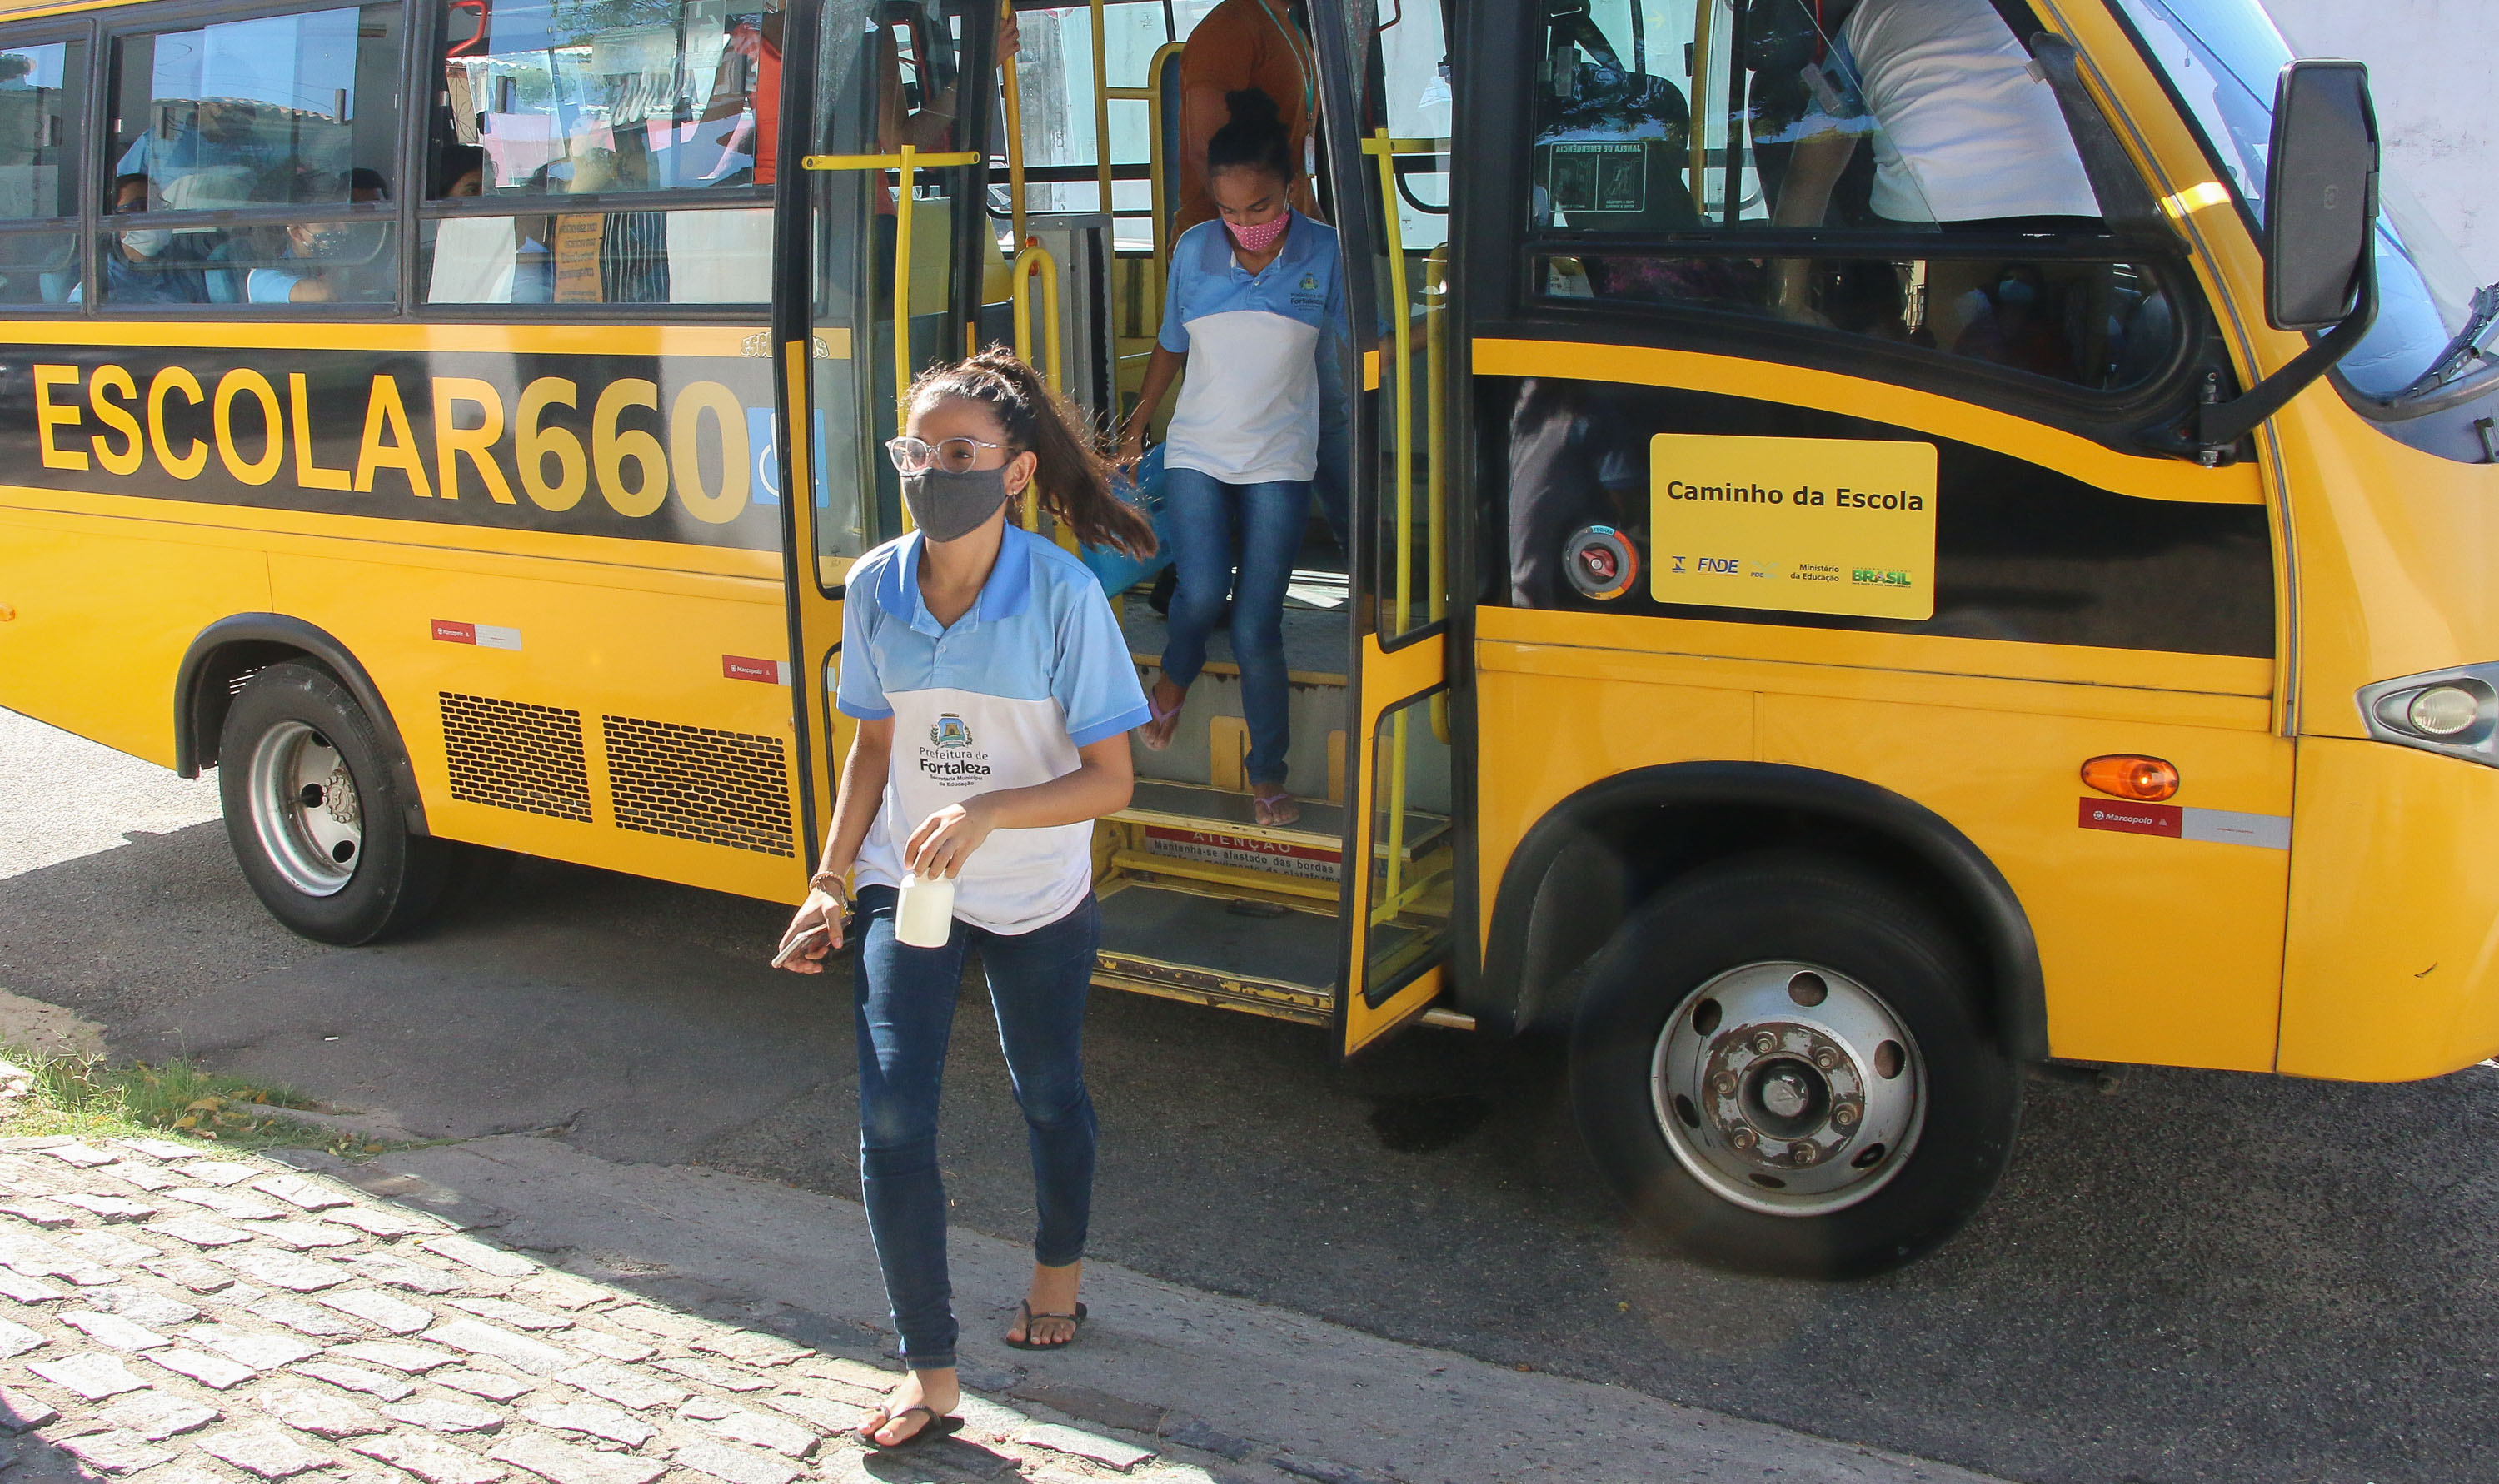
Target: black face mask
{"x": 947, "y": 507}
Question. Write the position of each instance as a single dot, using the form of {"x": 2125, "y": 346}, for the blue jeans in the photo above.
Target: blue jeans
{"x": 905, "y": 1000}
{"x": 1200, "y": 512}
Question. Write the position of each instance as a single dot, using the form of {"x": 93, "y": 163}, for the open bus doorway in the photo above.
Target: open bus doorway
{"x": 1068, "y": 263}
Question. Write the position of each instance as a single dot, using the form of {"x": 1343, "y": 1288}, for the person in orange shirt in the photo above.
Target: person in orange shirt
{"x": 1246, "y": 44}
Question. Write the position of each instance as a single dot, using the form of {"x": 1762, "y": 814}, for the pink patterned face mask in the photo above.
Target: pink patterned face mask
{"x": 1258, "y": 238}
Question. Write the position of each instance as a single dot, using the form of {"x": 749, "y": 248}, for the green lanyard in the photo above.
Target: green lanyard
{"x": 1292, "y": 44}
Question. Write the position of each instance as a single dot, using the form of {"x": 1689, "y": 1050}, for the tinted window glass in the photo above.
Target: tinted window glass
{"x": 42, "y": 115}
{"x": 294, "y": 109}
{"x": 640, "y": 95}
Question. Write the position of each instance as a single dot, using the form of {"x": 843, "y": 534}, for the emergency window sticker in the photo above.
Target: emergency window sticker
{"x": 1841, "y": 525}
{"x": 1593, "y": 177}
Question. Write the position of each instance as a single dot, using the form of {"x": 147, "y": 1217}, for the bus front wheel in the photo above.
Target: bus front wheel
{"x": 313, "y": 815}
{"x": 1779, "y": 1064}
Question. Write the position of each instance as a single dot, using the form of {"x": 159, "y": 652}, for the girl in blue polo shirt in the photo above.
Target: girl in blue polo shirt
{"x": 1255, "y": 308}
{"x": 993, "y": 696}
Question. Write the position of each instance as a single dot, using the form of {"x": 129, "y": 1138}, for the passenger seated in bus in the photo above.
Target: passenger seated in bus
{"x": 149, "y": 265}
{"x": 461, "y": 170}
{"x": 1246, "y": 44}
{"x": 746, "y": 93}
{"x": 2017, "y": 321}
{"x": 1255, "y": 308}
{"x": 328, "y": 262}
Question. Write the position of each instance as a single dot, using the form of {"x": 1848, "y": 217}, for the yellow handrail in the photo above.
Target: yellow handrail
{"x": 1101, "y": 109}
{"x": 909, "y": 161}
{"x": 1015, "y": 138}
{"x": 1154, "y": 172}
{"x": 1402, "y": 329}
{"x": 1036, "y": 258}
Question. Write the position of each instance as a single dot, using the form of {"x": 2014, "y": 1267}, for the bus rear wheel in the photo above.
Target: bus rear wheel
{"x": 1780, "y": 1066}
{"x": 314, "y": 816}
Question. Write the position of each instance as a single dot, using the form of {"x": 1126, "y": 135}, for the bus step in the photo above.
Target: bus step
{"x": 1207, "y": 822}
{"x": 1187, "y": 946}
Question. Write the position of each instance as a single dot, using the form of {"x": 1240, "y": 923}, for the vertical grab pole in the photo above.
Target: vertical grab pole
{"x": 1035, "y": 258}
{"x": 1403, "y": 331}
{"x": 1101, "y": 109}
{"x": 1435, "y": 419}
{"x": 902, "y": 298}
{"x": 1015, "y": 139}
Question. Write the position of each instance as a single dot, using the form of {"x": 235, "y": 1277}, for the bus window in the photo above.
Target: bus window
{"x": 43, "y": 119}
{"x": 537, "y": 104}
{"x": 1903, "y": 120}
{"x": 291, "y": 120}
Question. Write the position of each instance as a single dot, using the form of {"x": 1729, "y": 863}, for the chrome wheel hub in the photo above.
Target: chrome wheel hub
{"x": 305, "y": 809}
{"x": 1788, "y": 1088}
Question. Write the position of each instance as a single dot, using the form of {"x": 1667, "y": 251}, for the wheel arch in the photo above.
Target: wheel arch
{"x": 1595, "y": 856}
{"x": 233, "y": 648}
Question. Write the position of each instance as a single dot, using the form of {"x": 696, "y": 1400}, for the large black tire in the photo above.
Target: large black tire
{"x": 314, "y": 815}
{"x": 1682, "y": 1100}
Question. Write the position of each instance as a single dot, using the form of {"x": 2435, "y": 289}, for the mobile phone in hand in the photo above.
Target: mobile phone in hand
{"x": 798, "y": 949}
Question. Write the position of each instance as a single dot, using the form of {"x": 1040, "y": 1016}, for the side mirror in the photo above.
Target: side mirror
{"x": 2321, "y": 194}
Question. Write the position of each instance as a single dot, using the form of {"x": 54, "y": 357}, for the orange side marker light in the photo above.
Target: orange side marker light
{"x": 2124, "y": 775}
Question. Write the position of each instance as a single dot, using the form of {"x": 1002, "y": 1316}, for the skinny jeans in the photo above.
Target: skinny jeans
{"x": 905, "y": 1003}
{"x": 1237, "y": 540}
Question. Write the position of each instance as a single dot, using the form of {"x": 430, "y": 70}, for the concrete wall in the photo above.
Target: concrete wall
{"x": 2430, "y": 73}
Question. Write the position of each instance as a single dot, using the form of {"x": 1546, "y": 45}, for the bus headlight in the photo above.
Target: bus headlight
{"x": 2455, "y": 712}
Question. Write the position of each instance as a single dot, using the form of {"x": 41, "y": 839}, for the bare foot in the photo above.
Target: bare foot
{"x": 1158, "y": 733}
{"x": 899, "y": 1418}
{"x": 1275, "y": 806}
{"x": 1047, "y": 1305}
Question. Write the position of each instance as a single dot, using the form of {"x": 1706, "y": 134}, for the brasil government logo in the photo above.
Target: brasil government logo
{"x": 950, "y": 733}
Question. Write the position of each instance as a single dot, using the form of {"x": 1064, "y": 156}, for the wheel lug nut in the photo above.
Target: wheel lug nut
{"x": 1742, "y": 1138}
{"x": 1804, "y": 1153}
{"x": 1723, "y": 1084}
{"x": 1826, "y": 1059}
{"x": 1844, "y": 1116}
{"x": 1765, "y": 1043}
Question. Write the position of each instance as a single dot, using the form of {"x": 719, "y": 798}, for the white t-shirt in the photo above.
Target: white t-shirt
{"x": 1967, "y": 133}
{"x": 1250, "y": 412}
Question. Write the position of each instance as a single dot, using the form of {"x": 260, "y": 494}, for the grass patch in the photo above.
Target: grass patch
{"x": 88, "y": 1097}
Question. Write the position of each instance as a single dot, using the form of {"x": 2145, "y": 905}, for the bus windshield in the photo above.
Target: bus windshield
{"x": 2222, "y": 56}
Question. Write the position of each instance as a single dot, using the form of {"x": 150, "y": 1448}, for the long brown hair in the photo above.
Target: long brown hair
{"x": 1071, "y": 474}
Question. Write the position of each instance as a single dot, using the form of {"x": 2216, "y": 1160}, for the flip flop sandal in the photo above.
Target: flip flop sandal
{"x": 1269, "y": 806}
{"x": 1160, "y": 715}
{"x": 1077, "y": 1319}
{"x": 934, "y": 1427}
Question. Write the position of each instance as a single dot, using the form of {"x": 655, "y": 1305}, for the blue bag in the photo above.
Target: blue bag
{"x": 1114, "y": 568}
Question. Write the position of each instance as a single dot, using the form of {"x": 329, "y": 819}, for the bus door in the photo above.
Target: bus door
{"x": 1820, "y": 458}
{"x": 877, "y": 275}
{"x": 1387, "y": 104}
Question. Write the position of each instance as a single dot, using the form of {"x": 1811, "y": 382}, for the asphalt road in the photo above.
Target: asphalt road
{"x": 2202, "y": 1277}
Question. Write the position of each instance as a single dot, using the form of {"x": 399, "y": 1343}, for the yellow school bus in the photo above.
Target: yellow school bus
{"x": 1885, "y": 544}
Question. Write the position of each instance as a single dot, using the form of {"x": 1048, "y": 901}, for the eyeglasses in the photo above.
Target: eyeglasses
{"x": 917, "y": 456}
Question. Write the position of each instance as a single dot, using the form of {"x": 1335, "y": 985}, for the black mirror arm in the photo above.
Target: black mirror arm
{"x": 2212, "y": 434}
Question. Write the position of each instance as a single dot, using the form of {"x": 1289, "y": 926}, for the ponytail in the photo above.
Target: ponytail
{"x": 1070, "y": 473}
{"x": 1254, "y": 137}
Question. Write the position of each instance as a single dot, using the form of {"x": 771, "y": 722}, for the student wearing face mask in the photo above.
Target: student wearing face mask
{"x": 994, "y": 695}
{"x": 1255, "y": 311}
{"x": 149, "y": 264}
{"x": 327, "y": 262}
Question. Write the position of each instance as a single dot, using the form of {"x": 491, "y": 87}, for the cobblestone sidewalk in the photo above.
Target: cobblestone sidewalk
{"x": 182, "y": 1317}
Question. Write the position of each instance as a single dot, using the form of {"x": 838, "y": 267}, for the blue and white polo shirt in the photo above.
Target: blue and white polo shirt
{"x": 1034, "y": 670}
{"x": 1249, "y": 411}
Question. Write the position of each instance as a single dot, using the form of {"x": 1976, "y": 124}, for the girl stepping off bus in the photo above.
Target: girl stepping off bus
{"x": 1255, "y": 310}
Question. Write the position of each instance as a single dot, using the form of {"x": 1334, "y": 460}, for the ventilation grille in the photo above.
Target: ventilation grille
{"x": 515, "y": 756}
{"x": 699, "y": 783}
